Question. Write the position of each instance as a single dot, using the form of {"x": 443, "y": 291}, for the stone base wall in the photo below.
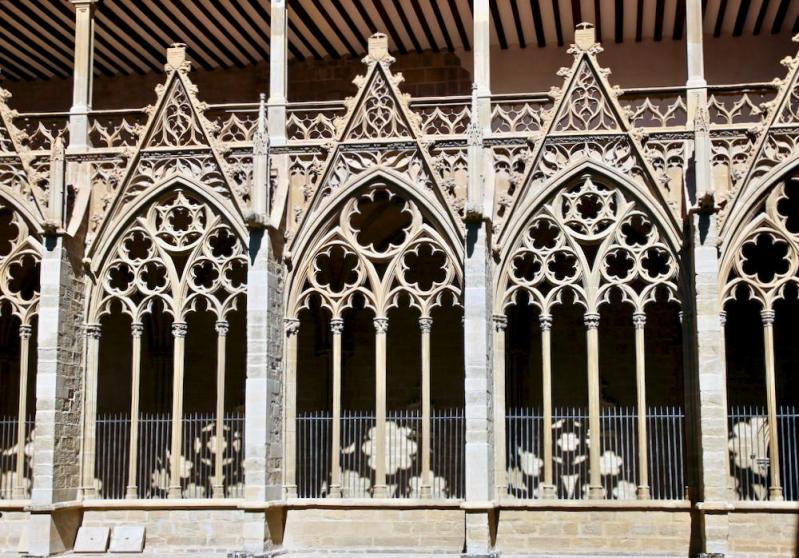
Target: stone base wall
{"x": 375, "y": 529}
{"x": 762, "y": 535}
{"x": 12, "y": 525}
{"x": 188, "y": 530}
{"x": 594, "y": 533}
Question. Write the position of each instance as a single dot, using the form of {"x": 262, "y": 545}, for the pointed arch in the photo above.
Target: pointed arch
{"x": 619, "y": 201}
{"x": 204, "y": 225}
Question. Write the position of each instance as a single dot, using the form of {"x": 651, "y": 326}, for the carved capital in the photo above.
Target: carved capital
{"x": 425, "y": 324}
{"x": 545, "y": 322}
{"x": 136, "y": 329}
{"x": 337, "y": 326}
{"x": 639, "y": 320}
{"x": 222, "y": 328}
{"x": 92, "y": 331}
{"x": 291, "y": 326}
{"x": 500, "y": 322}
{"x": 591, "y": 320}
{"x": 723, "y": 318}
{"x": 179, "y": 330}
{"x": 381, "y": 325}
{"x": 767, "y": 316}
{"x": 25, "y": 331}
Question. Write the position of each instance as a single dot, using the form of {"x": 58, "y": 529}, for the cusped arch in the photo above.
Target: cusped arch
{"x": 177, "y": 247}
{"x": 761, "y": 248}
{"x": 21, "y": 254}
{"x": 589, "y": 233}
{"x": 104, "y": 243}
{"x": 375, "y": 265}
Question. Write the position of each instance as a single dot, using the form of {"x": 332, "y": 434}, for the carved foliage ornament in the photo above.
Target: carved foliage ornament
{"x": 591, "y": 241}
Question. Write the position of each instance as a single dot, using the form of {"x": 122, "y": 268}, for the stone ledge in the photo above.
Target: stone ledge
{"x": 598, "y": 505}
{"x": 768, "y": 507}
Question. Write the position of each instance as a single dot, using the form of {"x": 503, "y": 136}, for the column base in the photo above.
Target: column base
{"x": 174, "y": 492}
{"x": 596, "y": 492}
{"x": 132, "y": 492}
{"x": 380, "y": 491}
{"x": 89, "y": 493}
{"x": 642, "y": 492}
{"x": 426, "y": 491}
{"x": 290, "y": 490}
{"x": 20, "y": 494}
{"x": 335, "y": 491}
{"x": 548, "y": 491}
{"x": 218, "y": 490}
{"x": 775, "y": 494}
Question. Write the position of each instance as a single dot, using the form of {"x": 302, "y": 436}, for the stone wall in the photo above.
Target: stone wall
{"x": 431, "y": 530}
{"x": 761, "y": 535}
{"x": 595, "y": 532}
{"x": 12, "y": 525}
{"x": 189, "y": 530}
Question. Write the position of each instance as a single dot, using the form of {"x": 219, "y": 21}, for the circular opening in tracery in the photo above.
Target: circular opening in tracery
{"x": 425, "y": 267}
{"x": 765, "y": 257}
{"x": 544, "y": 234}
{"x": 336, "y": 269}
{"x": 526, "y": 267}
{"x": 636, "y": 230}
{"x": 381, "y": 220}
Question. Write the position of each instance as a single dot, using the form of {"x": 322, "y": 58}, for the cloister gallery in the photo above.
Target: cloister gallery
{"x": 438, "y": 316}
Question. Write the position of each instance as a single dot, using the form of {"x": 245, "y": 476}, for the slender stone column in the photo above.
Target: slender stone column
{"x": 278, "y": 66}
{"x": 179, "y": 334}
{"x": 500, "y": 437}
{"x": 639, "y": 321}
{"x": 775, "y": 487}
{"x": 90, "y": 420}
{"x": 222, "y": 328}
{"x": 136, "y": 330}
{"x": 20, "y": 488}
{"x": 336, "y": 327}
{"x": 592, "y": 336}
{"x": 83, "y": 74}
{"x": 426, "y": 489}
{"x": 292, "y": 327}
{"x": 545, "y": 322}
{"x": 380, "y": 488}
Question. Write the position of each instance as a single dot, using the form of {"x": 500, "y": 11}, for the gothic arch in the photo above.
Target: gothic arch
{"x": 335, "y": 228}
{"x": 590, "y": 282}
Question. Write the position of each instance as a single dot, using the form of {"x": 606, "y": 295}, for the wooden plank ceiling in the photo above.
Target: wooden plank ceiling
{"x": 36, "y": 35}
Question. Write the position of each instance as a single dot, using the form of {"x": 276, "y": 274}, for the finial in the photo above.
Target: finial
{"x": 378, "y": 46}
{"x": 584, "y": 35}
{"x": 176, "y": 57}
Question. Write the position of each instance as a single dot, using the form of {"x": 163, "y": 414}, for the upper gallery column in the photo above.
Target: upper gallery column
{"x": 82, "y": 75}
{"x": 707, "y": 387}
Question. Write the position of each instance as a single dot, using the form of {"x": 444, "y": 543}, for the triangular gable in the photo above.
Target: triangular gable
{"x": 16, "y": 175}
{"x": 586, "y": 123}
{"x": 778, "y": 139}
{"x": 175, "y": 142}
{"x": 378, "y": 131}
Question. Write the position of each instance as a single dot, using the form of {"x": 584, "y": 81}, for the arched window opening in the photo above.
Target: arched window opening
{"x": 20, "y": 257}
{"x": 760, "y": 328}
{"x": 166, "y": 338}
{"x": 376, "y": 334}
{"x": 589, "y": 339}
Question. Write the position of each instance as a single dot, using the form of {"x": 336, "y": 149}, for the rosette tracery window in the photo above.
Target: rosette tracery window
{"x": 380, "y": 256}
{"x": 180, "y": 261}
{"x": 590, "y": 251}
{"x": 20, "y": 264}
{"x": 760, "y": 270}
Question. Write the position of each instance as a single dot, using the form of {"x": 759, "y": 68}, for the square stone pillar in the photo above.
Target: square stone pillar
{"x": 263, "y": 398}
{"x": 478, "y": 391}
{"x": 59, "y": 400}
